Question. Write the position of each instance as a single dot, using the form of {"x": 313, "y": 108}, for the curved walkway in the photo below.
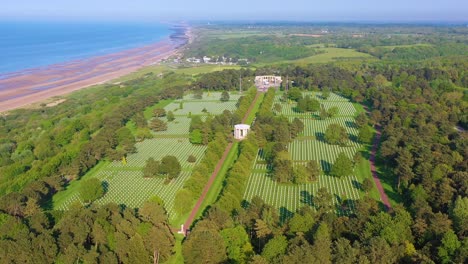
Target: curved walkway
{"x": 213, "y": 176}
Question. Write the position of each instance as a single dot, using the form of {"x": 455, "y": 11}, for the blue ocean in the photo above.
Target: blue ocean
{"x": 25, "y": 45}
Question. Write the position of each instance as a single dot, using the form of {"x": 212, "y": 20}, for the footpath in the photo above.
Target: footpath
{"x": 215, "y": 173}
{"x": 375, "y": 175}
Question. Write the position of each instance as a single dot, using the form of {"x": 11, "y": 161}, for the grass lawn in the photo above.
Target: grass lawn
{"x": 215, "y": 189}
{"x": 64, "y": 195}
{"x": 148, "y": 113}
{"x": 333, "y": 54}
{"x": 177, "y": 257}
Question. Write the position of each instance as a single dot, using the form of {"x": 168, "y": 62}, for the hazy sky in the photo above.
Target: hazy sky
{"x": 310, "y": 10}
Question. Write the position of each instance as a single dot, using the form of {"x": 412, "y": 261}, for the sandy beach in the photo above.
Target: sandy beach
{"x": 22, "y": 88}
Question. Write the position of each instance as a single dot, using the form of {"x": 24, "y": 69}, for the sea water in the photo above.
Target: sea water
{"x": 25, "y": 45}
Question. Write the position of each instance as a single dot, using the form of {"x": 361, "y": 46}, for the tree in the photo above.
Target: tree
{"x": 361, "y": 119}
{"x": 170, "y": 116}
{"x": 196, "y": 137}
{"x": 159, "y": 112}
{"x": 152, "y": 168}
{"x": 91, "y": 190}
{"x": 343, "y": 166}
{"x": 323, "y": 200}
{"x": 365, "y": 134}
{"x": 278, "y": 108}
{"x": 460, "y": 215}
{"x": 323, "y": 114}
{"x": 313, "y": 170}
{"x": 237, "y": 243}
{"x": 325, "y": 94}
{"x": 170, "y": 166}
{"x": 450, "y": 245}
{"x": 300, "y": 174}
{"x": 224, "y": 96}
{"x": 301, "y": 105}
{"x": 158, "y": 125}
{"x": 367, "y": 185}
{"x": 336, "y": 134}
{"x": 282, "y": 167}
{"x": 333, "y": 111}
{"x": 296, "y": 127}
{"x": 294, "y": 94}
{"x": 191, "y": 159}
{"x": 313, "y": 105}
{"x": 275, "y": 247}
{"x": 322, "y": 244}
{"x": 204, "y": 245}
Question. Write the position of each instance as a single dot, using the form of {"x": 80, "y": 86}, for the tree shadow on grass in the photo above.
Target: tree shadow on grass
{"x": 307, "y": 198}
{"x": 326, "y": 166}
{"x": 350, "y": 124}
{"x": 285, "y": 214}
{"x": 320, "y": 136}
{"x": 357, "y": 185}
{"x": 245, "y": 204}
{"x": 105, "y": 186}
{"x": 353, "y": 138}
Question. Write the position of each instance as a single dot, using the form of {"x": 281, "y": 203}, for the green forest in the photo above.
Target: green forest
{"x": 414, "y": 93}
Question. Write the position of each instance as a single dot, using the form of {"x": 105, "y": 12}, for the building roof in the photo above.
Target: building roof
{"x": 242, "y": 126}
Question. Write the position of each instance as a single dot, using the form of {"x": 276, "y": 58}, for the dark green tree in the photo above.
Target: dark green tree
{"x": 152, "y": 168}
{"x": 224, "y": 96}
{"x": 343, "y": 166}
{"x": 91, "y": 190}
{"x": 336, "y": 135}
{"x": 170, "y": 167}
{"x": 170, "y": 116}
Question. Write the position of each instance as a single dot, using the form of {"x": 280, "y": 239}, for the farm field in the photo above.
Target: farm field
{"x": 125, "y": 184}
{"x": 310, "y": 145}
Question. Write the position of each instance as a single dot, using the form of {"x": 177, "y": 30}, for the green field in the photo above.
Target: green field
{"x": 334, "y": 54}
{"x": 125, "y": 184}
{"x": 165, "y": 68}
{"x": 310, "y": 145}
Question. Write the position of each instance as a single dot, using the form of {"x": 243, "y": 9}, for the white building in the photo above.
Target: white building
{"x": 241, "y": 131}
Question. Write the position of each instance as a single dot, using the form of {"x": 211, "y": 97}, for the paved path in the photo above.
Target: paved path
{"x": 383, "y": 195}
{"x": 213, "y": 176}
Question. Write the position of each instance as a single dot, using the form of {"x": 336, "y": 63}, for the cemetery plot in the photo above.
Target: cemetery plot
{"x": 196, "y": 108}
{"x": 211, "y": 96}
{"x": 157, "y": 148}
{"x": 131, "y": 189}
{"x": 289, "y": 198}
{"x": 311, "y": 145}
{"x": 179, "y": 126}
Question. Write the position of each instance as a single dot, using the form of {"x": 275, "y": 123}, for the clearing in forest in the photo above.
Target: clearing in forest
{"x": 125, "y": 184}
{"x": 310, "y": 145}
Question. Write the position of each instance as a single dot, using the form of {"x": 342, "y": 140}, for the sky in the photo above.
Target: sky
{"x": 250, "y": 10}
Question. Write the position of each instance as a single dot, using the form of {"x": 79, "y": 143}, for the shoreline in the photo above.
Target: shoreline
{"x": 22, "y": 88}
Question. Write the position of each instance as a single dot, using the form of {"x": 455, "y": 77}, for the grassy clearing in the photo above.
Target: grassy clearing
{"x": 61, "y": 197}
{"x": 148, "y": 113}
{"x": 164, "y": 68}
{"x": 177, "y": 257}
{"x": 333, "y": 54}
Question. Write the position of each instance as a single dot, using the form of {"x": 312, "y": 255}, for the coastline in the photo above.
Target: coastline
{"x": 30, "y": 86}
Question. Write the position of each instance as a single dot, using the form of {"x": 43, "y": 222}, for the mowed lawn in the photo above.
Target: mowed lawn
{"x": 125, "y": 184}
{"x": 310, "y": 145}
